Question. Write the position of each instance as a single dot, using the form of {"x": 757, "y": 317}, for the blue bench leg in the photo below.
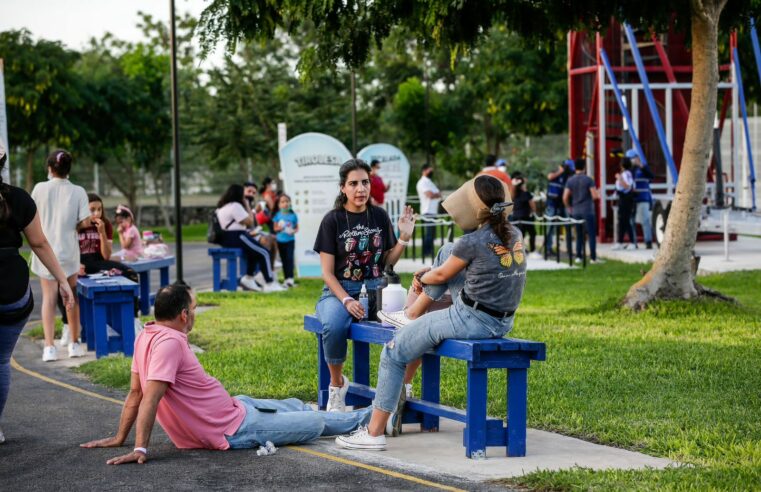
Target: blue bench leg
{"x": 145, "y": 292}
{"x": 243, "y": 267}
{"x": 431, "y": 389}
{"x": 516, "y": 412}
{"x": 232, "y": 274}
{"x": 100, "y": 330}
{"x": 323, "y": 375}
{"x": 127, "y": 329}
{"x": 475, "y": 421}
{"x": 164, "y": 276}
{"x": 215, "y": 267}
{"x": 86, "y": 322}
{"x": 361, "y": 362}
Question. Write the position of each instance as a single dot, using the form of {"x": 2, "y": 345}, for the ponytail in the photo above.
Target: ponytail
{"x": 491, "y": 191}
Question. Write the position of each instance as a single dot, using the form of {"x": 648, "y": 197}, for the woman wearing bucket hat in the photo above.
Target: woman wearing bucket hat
{"x": 485, "y": 272}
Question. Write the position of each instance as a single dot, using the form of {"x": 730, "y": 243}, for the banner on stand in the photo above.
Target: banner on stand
{"x": 309, "y": 164}
{"x": 394, "y": 170}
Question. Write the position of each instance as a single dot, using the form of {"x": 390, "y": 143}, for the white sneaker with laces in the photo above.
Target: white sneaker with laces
{"x": 49, "y": 354}
{"x": 76, "y": 350}
{"x": 617, "y": 247}
{"x": 259, "y": 279}
{"x": 408, "y": 392}
{"x": 248, "y": 283}
{"x": 65, "y": 336}
{"x": 361, "y": 439}
{"x": 273, "y": 287}
{"x": 289, "y": 283}
{"x": 337, "y": 397}
{"x": 396, "y": 319}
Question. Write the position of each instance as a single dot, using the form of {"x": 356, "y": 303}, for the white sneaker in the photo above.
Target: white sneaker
{"x": 138, "y": 326}
{"x": 278, "y": 264}
{"x": 630, "y": 246}
{"x": 289, "y": 283}
{"x": 337, "y": 397}
{"x": 397, "y": 319}
{"x": 577, "y": 260}
{"x": 361, "y": 439}
{"x": 536, "y": 255}
{"x": 617, "y": 247}
{"x": 248, "y": 283}
{"x": 49, "y": 354}
{"x": 65, "y": 336}
{"x": 598, "y": 261}
{"x": 76, "y": 350}
{"x": 408, "y": 392}
{"x": 273, "y": 287}
{"x": 259, "y": 279}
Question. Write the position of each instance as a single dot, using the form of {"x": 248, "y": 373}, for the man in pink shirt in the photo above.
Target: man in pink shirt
{"x": 169, "y": 384}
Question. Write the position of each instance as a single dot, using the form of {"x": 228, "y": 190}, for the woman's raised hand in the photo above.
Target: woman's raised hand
{"x": 406, "y": 223}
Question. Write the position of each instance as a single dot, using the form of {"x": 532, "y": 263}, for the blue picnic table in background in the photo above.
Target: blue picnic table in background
{"x": 143, "y": 267}
{"x": 105, "y": 301}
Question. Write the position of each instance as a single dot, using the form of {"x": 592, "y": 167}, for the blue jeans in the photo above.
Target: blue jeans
{"x": 591, "y": 222}
{"x": 551, "y": 211}
{"x": 426, "y": 332}
{"x": 643, "y": 218}
{"x": 336, "y": 319}
{"x": 290, "y": 422}
{"x": 8, "y": 336}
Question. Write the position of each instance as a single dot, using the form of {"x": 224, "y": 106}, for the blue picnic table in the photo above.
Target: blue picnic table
{"x": 143, "y": 267}
{"x": 107, "y": 300}
{"x": 480, "y": 431}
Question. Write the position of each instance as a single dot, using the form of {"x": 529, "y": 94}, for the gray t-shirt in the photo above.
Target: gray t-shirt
{"x": 496, "y": 273}
{"x": 581, "y": 198}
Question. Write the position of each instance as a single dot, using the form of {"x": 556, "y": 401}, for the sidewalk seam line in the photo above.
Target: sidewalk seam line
{"x": 15, "y": 365}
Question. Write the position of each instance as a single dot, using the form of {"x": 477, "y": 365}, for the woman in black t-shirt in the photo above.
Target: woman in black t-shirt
{"x": 18, "y": 214}
{"x": 355, "y": 242}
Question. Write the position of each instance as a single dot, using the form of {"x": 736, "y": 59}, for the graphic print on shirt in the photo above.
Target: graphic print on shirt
{"x": 506, "y": 256}
{"x": 364, "y": 253}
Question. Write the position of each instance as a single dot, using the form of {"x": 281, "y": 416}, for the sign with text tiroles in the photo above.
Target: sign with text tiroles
{"x": 309, "y": 163}
{"x": 394, "y": 170}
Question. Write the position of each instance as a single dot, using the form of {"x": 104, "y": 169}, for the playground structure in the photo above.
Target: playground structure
{"x": 631, "y": 88}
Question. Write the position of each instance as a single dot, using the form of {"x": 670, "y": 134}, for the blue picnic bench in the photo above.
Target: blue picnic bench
{"x": 236, "y": 267}
{"x": 512, "y": 354}
{"x": 143, "y": 267}
{"x": 107, "y": 301}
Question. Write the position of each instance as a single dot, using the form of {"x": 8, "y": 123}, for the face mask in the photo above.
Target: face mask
{"x": 430, "y": 175}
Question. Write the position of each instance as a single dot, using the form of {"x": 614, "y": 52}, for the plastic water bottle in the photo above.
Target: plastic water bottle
{"x": 364, "y": 300}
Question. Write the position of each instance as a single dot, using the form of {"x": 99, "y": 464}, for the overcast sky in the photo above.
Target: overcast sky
{"x": 74, "y": 22}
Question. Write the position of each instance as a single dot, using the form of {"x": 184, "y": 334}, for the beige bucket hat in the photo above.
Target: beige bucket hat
{"x": 467, "y": 209}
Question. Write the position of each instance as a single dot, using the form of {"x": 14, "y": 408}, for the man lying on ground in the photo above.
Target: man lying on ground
{"x": 169, "y": 384}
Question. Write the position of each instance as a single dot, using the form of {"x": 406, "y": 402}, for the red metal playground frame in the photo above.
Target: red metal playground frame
{"x": 597, "y": 125}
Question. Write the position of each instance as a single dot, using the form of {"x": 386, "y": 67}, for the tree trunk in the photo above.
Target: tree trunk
{"x": 30, "y": 169}
{"x": 671, "y": 276}
{"x": 158, "y": 189}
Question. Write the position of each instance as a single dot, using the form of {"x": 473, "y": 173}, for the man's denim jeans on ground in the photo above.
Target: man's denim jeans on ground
{"x": 591, "y": 222}
{"x": 421, "y": 335}
{"x": 552, "y": 211}
{"x": 8, "y": 336}
{"x": 645, "y": 220}
{"x": 290, "y": 421}
{"x": 336, "y": 319}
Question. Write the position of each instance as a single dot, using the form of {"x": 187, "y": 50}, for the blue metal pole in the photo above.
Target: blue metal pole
{"x": 756, "y": 49}
{"x": 651, "y": 102}
{"x": 624, "y": 109}
{"x": 744, "y": 110}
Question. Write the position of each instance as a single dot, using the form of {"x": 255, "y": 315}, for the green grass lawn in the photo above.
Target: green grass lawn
{"x": 680, "y": 380}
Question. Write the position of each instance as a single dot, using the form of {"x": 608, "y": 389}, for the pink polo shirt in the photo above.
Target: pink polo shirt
{"x": 196, "y": 411}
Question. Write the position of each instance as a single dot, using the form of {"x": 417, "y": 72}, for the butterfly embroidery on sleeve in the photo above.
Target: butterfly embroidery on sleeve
{"x": 506, "y": 256}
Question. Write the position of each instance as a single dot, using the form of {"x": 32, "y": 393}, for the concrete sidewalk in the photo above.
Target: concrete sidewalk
{"x": 744, "y": 254}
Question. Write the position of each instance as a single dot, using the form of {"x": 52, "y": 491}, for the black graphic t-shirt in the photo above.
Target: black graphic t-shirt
{"x": 357, "y": 240}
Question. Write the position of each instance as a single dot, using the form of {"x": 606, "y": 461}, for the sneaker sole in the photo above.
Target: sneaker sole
{"x": 366, "y": 447}
{"x": 387, "y": 320}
